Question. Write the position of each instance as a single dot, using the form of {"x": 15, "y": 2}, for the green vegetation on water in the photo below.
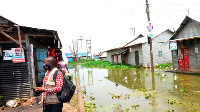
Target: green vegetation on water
{"x": 165, "y": 65}
{"x": 108, "y": 65}
{"x": 78, "y": 62}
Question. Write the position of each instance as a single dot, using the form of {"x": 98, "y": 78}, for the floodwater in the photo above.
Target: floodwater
{"x": 138, "y": 90}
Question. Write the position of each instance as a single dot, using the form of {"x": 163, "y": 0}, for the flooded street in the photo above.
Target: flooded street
{"x": 139, "y": 90}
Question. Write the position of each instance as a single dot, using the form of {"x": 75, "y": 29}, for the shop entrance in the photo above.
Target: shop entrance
{"x": 183, "y": 59}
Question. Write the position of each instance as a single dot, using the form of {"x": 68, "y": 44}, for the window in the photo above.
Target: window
{"x": 159, "y": 53}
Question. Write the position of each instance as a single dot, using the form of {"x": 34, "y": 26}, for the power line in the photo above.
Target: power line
{"x": 165, "y": 15}
{"x": 181, "y": 10}
{"x": 178, "y": 4}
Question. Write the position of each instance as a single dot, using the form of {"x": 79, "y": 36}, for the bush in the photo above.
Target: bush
{"x": 1, "y": 101}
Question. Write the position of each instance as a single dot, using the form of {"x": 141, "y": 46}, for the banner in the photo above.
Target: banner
{"x": 15, "y": 54}
{"x": 173, "y": 45}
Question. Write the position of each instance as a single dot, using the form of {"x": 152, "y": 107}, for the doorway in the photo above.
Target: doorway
{"x": 136, "y": 58}
{"x": 183, "y": 59}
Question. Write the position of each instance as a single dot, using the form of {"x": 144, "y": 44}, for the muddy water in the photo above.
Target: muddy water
{"x": 139, "y": 90}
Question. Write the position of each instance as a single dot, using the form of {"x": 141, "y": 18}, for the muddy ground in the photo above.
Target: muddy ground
{"x": 32, "y": 106}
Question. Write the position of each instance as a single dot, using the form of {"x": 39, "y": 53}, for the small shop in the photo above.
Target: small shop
{"x": 184, "y": 45}
{"x": 22, "y": 53}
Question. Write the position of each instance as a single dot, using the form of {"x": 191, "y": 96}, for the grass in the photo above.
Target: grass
{"x": 108, "y": 65}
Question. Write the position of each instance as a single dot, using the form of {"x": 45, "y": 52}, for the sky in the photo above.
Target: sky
{"x": 107, "y": 23}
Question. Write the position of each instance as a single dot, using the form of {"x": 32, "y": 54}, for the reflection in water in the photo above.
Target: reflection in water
{"x": 126, "y": 78}
{"x": 104, "y": 85}
{"x": 90, "y": 76}
{"x": 153, "y": 80}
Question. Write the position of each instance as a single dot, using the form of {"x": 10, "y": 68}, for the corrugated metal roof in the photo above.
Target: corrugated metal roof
{"x": 134, "y": 40}
{"x": 182, "y": 25}
{"x": 120, "y": 52}
{"x": 124, "y": 47}
{"x": 188, "y": 38}
{"x": 140, "y": 39}
{"x": 163, "y": 32}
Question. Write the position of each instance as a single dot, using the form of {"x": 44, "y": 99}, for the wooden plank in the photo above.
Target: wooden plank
{"x": 40, "y": 35}
{"x": 12, "y": 39}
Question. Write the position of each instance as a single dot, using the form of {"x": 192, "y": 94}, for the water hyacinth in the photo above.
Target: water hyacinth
{"x": 162, "y": 65}
{"x": 108, "y": 65}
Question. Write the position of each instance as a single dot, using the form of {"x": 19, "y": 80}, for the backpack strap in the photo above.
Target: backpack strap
{"x": 55, "y": 74}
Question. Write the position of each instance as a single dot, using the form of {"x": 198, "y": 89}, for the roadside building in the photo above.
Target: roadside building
{"x": 137, "y": 51}
{"x": 131, "y": 53}
{"x": 70, "y": 57}
{"x": 185, "y": 46}
{"x": 23, "y": 50}
{"x": 95, "y": 56}
{"x": 161, "y": 51}
{"x": 82, "y": 55}
{"x": 102, "y": 55}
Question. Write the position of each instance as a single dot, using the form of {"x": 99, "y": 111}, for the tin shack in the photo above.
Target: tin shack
{"x": 185, "y": 45}
{"x": 22, "y": 52}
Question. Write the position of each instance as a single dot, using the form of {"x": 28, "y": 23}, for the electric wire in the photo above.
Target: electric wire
{"x": 164, "y": 15}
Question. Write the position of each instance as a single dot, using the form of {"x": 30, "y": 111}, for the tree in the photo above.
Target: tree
{"x": 73, "y": 48}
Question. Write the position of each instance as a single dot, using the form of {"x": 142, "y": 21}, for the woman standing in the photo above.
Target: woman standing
{"x": 62, "y": 65}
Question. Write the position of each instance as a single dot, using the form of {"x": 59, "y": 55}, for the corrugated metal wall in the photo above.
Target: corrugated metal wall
{"x": 14, "y": 77}
{"x": 163, "y": 47}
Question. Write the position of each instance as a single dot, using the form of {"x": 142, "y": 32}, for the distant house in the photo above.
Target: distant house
{"x": 82, "y": 55}
{"x": 185, "y": 45}
{"x": 137, "y": 51}
{"x": 103, "y": 55}
{"x": 131, "y": 53}
{"x": 95, "y": 56}
{"x": 71, "y": 57}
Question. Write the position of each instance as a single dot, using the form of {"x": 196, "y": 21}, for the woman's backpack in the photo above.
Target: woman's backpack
{"x": 68, "y": 88}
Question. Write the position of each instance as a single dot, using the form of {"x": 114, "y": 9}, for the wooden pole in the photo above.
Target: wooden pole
{"x": 19, "y": 35}
{"x": 151, "y": 52}
{"x": 12, "y": 39}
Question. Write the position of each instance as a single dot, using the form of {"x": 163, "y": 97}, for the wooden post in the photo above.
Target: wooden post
{"x": 151, "y": 52}
{"x": 19, "y": 35}
{"x": 121, "y": 59}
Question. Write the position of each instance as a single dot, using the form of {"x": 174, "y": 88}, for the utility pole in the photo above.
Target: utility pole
{"x": 151, "y": 52}
{"x": 86, "y": 50}
{"x": 88, "y": 46}
{"x": 81, "y": 45}
{"x": 134, "y": 31}
{"x": 91, "y": 48}
{"x": 76, "y": 51}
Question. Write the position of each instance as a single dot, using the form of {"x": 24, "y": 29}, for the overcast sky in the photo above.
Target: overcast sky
{"x": 106, "y": 22}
